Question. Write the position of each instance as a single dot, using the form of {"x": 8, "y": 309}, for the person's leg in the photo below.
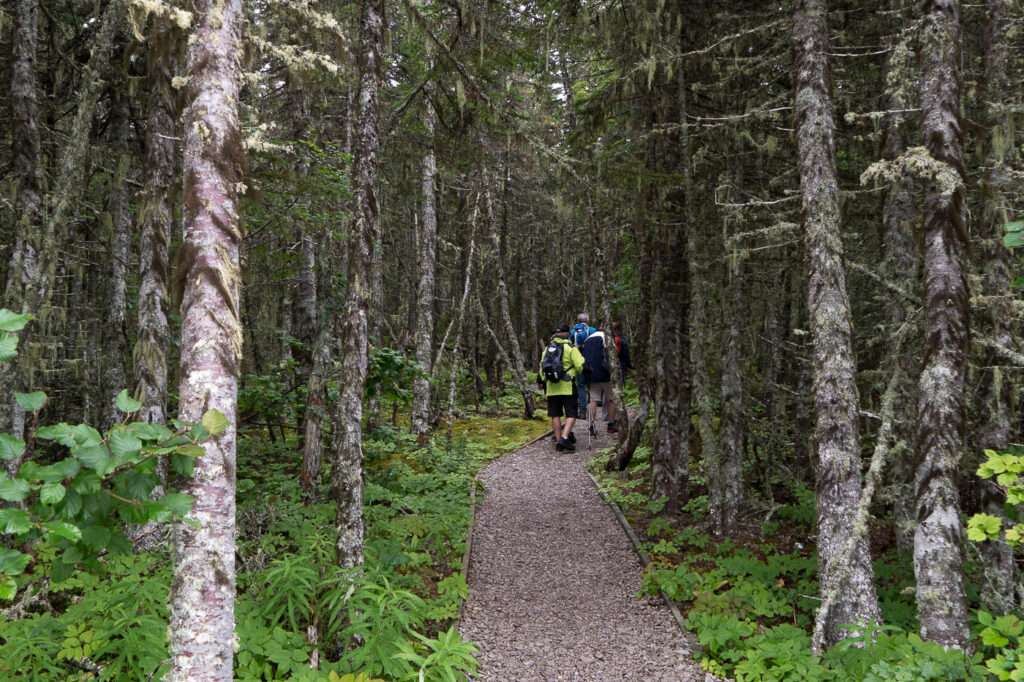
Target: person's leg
{"x": 569, "y": 421}
{"x": 556, "y": 427}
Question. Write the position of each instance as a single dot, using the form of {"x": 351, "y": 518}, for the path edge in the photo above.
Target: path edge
{"x": 695, "y": 648}
{"x": 464, "y": 571}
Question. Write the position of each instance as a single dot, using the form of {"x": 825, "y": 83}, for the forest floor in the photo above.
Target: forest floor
{"x": 553, "y": 579}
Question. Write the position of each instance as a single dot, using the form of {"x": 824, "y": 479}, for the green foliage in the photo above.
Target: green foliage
{"x": 1006, "y": 467}
{"x": 78, "y": 504}
{"x": 803, "y": 510}
{"x": 391, "y": 375}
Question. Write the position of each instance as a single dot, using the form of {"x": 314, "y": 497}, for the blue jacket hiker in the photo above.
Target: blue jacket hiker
{"x": 600, "y": 387}
{"x": 563, "y": 394}
{"x": 577, "y": 337}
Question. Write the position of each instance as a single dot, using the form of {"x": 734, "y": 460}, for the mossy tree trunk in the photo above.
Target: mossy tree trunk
{"x": 836, "y": 435}
{"x": 347, "y": 421}
{"x": 938, "y": 539}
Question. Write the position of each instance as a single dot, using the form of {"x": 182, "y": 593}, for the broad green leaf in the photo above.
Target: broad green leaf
{"x": 1009, "y": 625}
{"x": 15, "y": 521}
{"x": 8, "y": 346}
{"x": 183, "y": 465}
{"x": 190, "y": 451}
{"x": 119, "y": 544}
{"x": 8, "y": 588}
{"x": 72, "y": 555}
{"x": 179, "y": 503}
{"x": 139, "y": 486}
{"x": 86, "y": 435}
{"x": 94, "y": 457}
{"x": 31, "y": 402}
{"x": 13, "y": 562}
{"x": 96, "y": 537}
{"x": 11, "y": 447}
{"x": 86, "y": 482}
{"x": 214, "y": 422}
{"x": 71, "y": 505}
{"x": 51, "y": 493}
{"x": 992, "y": 638}
{"x": 126, "y": 403}
{"x": 155, "y": 432}
{"x": 62, "y": 433}
{"x": 983, "y": 527}
{"x": 157, "y": 512}
{"x": 198, "y": 433}
{"x": 14, "y": 490}
{"x": 13, "y": 322}
{"x": 67, "y": 468}
{"x": 64, "y": 530}
{"x": 124, "y": 444}
{"x": 61, "y": 571}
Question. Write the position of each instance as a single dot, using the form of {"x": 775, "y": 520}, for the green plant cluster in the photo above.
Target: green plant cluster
{"x": 751, "y": 606}
{"x": 67, "y": 505}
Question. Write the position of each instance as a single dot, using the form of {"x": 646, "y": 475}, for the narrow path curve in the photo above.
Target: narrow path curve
{"x": 553, "y": 580}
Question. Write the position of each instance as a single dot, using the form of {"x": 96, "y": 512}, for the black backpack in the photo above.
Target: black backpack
{"x": 551, "y": 366}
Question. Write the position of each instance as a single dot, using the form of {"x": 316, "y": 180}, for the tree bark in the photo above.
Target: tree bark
{"x": 347, "y": 448}
{"x": 938, "y": 540}
{"x": 900, "y": 265}
{"x": 149, "y": 356}
{"x": 836, "y": 436}
{"x": 203, "y": 589}
{"x": 427, "y": 264}
{"x": 114, "y": 332}
{"x": 725, "y": 473}
{"x": 38, "y": 240}
{"x": 512, "y": 339}
{"x": 997, "y": 388}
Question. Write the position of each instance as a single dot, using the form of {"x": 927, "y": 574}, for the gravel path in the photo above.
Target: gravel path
{"x": 553, "y": 580}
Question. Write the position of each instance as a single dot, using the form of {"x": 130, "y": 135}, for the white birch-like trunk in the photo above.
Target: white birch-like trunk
{"x": 203, "y": 589}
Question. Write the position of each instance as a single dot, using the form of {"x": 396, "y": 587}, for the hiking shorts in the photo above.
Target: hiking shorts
{"x": 601, "y": 391}
{"x": 568, "y": 403}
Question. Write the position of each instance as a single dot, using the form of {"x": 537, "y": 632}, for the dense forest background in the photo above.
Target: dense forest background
{"x": 357, "y": 223}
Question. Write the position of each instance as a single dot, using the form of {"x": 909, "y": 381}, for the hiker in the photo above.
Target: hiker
{"x": 600, "y": 379}
{"x": 577, "y": 337}
{"x": 559, "y": 367}
{"x": 622, "y": 349}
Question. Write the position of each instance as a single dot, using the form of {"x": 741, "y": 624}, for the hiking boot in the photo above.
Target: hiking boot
{"x": 572, "y": 438}
{"x": 565, "y": 445}
{"x": 612, "y": 428}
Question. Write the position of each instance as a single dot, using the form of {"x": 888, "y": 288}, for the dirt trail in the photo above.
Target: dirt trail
{"x": 553, "y": 580}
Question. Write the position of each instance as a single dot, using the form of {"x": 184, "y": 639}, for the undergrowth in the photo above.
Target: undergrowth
{"x": 750, "y": 600}
{"x": 390, "y": 620}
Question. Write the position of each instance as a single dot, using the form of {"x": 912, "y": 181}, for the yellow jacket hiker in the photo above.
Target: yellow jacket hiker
{"x": 563, "y": 395}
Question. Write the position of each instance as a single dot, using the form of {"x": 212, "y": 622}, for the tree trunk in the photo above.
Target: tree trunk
{"x": 900, "y": 265}
{"x": 997, "y": 389}
{"x": 114, "y": 331}
{"x": 38, "y": 243}
{"x": 938, "y": 540}
{"x": 427, "y": 264}
{"x": 149, "y": 356}
{"x": 725, "y": 474}
{"x": 316, "y": 414}
{"x": 836, "y": 436}
{"x": 347, "y": 448}
{"x": 203, "y": 589}
{"x": 515, "y": 356}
